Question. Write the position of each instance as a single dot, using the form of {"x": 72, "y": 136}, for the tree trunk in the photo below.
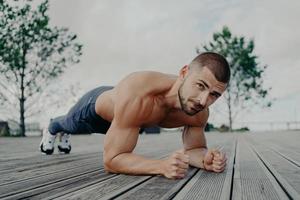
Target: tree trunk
{"x": 22, "y": 88}
{"x": 229, "y": 112}
{"x": 230, "y": 119}
{"x": 22, "y": 104}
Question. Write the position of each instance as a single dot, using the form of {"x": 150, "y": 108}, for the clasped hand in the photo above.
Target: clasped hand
{"x": 214, "y": 160}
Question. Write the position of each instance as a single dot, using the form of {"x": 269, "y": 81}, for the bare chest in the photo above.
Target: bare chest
{"x": 168, "y": 119}
{"x": 154, "y": 113}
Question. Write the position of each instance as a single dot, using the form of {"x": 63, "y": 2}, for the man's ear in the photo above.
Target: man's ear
{"x": 184, "y": 71}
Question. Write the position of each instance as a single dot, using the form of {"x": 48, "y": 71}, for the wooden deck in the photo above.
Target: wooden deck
{"x": 260, "y": 166}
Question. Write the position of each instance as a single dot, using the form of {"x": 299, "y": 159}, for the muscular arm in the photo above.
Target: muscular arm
{"x": 194, "y": 142}
{"x": 133, "y": 106}
{"x": 118, "y": 157}
{"x": 195, "y": 146}
{"x": 121, "y": 138}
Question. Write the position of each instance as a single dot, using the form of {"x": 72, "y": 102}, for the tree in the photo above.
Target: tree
{"x": 246, "y": 83}
{"x": 32, "y": 54}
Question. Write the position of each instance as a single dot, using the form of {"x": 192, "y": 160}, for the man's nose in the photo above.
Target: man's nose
{"x": 203, "y": 99}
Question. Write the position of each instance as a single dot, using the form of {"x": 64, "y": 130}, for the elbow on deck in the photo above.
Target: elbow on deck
{"x": 108, "y": 169}
{"x": 108, "y": 164}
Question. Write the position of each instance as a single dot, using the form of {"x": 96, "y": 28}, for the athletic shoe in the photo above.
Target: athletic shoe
{"x": 64, "y": 145}
{"x": 47, "y": 143}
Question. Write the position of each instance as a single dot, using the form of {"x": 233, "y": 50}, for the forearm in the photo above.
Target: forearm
{"x": 196, "y": 157}
{"x": 129, "y": 163}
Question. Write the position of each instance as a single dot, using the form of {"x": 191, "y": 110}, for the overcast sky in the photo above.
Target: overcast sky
{"x": 121, "y": 37}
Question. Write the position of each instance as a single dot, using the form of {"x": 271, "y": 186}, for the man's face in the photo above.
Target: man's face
{"x": 199, "y": 89}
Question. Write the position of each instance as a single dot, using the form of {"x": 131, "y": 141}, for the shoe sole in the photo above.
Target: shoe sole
{"x": 64, "y": 150}
{"x": 48, "y": 151}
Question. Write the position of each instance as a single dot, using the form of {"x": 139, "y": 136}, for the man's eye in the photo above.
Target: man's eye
{"x": 201, "y": 86}
{"x": 215, "y": 95}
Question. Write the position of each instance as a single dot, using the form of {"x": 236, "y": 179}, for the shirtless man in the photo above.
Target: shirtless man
{"x": 144, "y": 99}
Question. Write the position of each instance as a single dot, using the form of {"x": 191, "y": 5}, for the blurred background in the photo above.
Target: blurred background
{"x": 52, "y": 52}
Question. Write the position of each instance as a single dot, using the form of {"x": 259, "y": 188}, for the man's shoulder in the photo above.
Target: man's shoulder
{"x": 133, "y": 98}
{"x": 152, "y": 75}
{"x": 144, "y": 82}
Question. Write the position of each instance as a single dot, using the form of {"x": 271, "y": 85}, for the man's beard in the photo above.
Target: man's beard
{"x": 183, "y": 102}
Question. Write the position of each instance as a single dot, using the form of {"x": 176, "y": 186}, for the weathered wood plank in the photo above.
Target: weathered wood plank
{"x": 64, "y": 181}
{"x": 43, "y": 161}
{"x": 108, "y": 188}
{"x": 285, "y": 144}
{"x": 210, "y": 185}
{"x": 290, "y": 155}
{"x": 55, "y": 191}
{"x": 157, "y": 188}
{"x": 251, "y": 179}
{"x": 71, "y": 183}
{"x": 47, "y": 168}
{"x": 255, "y": 171}
{"x": 41, "y": 181}
{"x": 285, "y": 171}
{"x": 23, "y": 148}
{"x": 47, "y": 183}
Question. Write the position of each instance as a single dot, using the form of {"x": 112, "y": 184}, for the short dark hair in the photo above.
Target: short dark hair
{"x": 215, "y": 62}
